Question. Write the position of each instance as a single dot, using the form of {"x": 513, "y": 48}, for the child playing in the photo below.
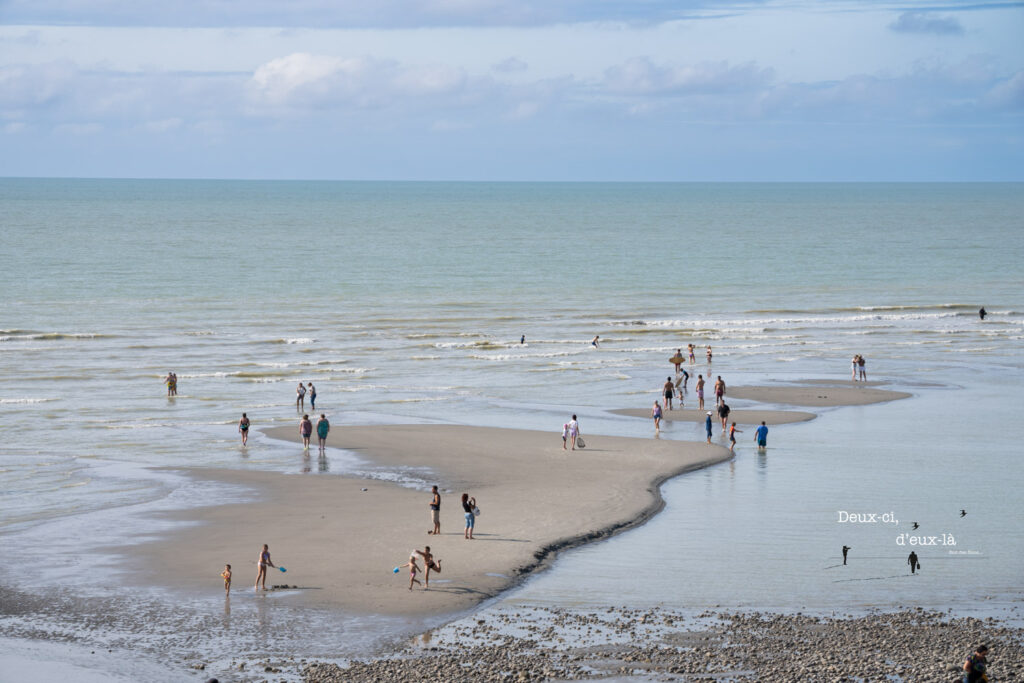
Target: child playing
{"x": 413, "y": 570}
{"x": 565, "y": 434}
{"x": 732, "y": 436}
{"x": 226, "y": 575}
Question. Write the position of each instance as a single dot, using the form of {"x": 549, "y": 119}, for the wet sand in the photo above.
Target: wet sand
{"x": 816, "y": 395}
{"x": 742, "y": 417}
{"x": 340, "y": 543}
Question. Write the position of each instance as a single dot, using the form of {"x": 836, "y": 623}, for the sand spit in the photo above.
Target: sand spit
{"x": 340, "y": 537}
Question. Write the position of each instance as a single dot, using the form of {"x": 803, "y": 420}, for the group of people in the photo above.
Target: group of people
{"x": 300, "y": 397}
{"x": 430, "y": 563}
{"x": 857, "y": 365}
{"x": 171, "y": 380}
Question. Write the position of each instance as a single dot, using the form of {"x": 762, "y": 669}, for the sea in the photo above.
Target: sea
{"x": 475, "y": 303}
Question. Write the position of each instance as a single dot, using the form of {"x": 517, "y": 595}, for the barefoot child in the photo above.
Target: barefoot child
{"x": 565, "y": 434}
{"x": 413, "y": 569}
{"x": 732, "y": 436}
{"x": 226, "y": 575}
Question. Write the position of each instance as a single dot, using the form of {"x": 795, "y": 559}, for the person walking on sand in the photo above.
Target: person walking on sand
{"x": 565, "y": 434}
{"x": 305, "y": 431}
{"x": 469, "y": 507}
{"x": 912, "y": 561}
{"x": 322, "y": 427}
{"x": 700, "y": 392}
{"x": 668, "y": 389}
{"x": 732, "y": 436}
{"x": 429, "y": 563}
{"x": 413, "y": 570}
{"x": 435, "y": 511}
{"x": 656, "y": 414}
{"x": 300, "y": 397}
{"x": 574, "y": 431}
{"x": 263, "y": 563}
{"x": 860, "y": 366}
{"x": 846, "y": 549}
{"x": 677, "y": 360}
{"x": 243, "y": 428}
{"x": 723, "y": 414}
{"x": 707, "y": 426}
{"x": 761, "y": 436}
{"x": 975, "y": 666}
{"x": 312, "y": 396}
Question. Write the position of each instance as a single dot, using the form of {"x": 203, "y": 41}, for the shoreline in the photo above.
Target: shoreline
{"x": 339, "y": 535}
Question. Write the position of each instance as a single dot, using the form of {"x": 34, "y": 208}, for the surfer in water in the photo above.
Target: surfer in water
{"x": 982, "y": 313}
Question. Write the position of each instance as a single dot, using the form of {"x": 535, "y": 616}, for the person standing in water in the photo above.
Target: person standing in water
{"x": 860, "y": 368}
{"x": 982, "y": 313}
{"x": 719, "y": 391}
{"x": 594, "y": 342}
{"x": 707, "y": 426}
{"x": 312, "y": 396}
{"x": 305, "y": 431}
{"x": 656, "y": 414}
{"x": 700, "y": 392}
{"x": 263, "y": 563}
{"x": 709, "y": 358}
{"x": 732, "y": 436}
{"x": 761, "y": 436}
{"x": 322, "y": 427}
{"x": 690, "y": 349}
{"x": 243, "y": 428}
{"x": 677, "y": 360}
{"x": 668, "y": 389}
{"x": 300, "y": 397}
{"x": 522, "y": 339}
{"x": 846, "y": 549}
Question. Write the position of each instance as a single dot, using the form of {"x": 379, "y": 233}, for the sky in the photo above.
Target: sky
{"x": 521, "y": 90}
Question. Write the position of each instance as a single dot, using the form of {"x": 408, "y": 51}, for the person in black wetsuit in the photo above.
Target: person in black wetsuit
{"x": 982, "y": 313}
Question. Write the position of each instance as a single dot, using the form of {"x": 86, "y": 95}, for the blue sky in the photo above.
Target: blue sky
{"x": 513, "y": 90}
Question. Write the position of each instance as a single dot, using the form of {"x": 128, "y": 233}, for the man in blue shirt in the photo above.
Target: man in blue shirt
{"x": 761, "y": 435}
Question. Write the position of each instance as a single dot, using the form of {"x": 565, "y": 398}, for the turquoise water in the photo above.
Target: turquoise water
{"x": 405, "y": 302}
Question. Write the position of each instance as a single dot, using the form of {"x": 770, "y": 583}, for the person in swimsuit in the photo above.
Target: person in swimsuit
{"x": 668, "y": 390}
{"x": 263, "y": 563}
{"x": 243, "y": 428}
{"x": 429, "y": 563}
{"x": 719, "y": 390}
{"x": 226, "y": 575}
{"x": 322, "y": 427}
{"x": 707, "y": 426}
{"x": 677, "y": 360}
{"x": 435, "y": 511}
{"x": 723, "y": 413}
{"x": 305, "y": 431}
{"x": 595, "y": 340}
{"x": 693, "y": 359}
{"x": 413, "y": 569}
{"x": 312, "y": 396}
{"x": 656, "y": 414}
{"x": 709, "y": 354}
{"x": 300, "y": 397}
{"x": 468, "y": 506}
{"x": 574, "y": 431}
{"x": 732, "y": 436}
{"x": 700, "y": 392}
{"x": 169, "y": 381}
{"x": 684, "y": 379}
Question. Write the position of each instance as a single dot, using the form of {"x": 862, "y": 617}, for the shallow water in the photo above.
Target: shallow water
{"x": 405, "y": 303}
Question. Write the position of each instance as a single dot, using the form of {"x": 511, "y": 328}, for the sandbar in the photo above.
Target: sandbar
{"x": 340, "y": 543}
{"x": 743, "y": 417}
{"x": 817, "y": 395}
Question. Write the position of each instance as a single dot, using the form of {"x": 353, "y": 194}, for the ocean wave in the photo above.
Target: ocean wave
{"x": 51, "y": 336}
{"x": 14, "y": 401}
{"x": 283, "y": 340}
{"x": 525, "y": 356}
{"x": 479, "y": 345}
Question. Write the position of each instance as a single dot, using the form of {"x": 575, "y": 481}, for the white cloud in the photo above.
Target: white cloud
{"x": 641, "y": 76}
{"x": 1008, "y": 94}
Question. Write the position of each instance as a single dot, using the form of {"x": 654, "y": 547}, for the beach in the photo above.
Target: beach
{"x": 340, "y": 537}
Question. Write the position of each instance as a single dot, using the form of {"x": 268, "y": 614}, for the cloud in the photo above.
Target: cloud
{"x": 304, "y": 80}
{"x": 926, "y": 22}
{"x": 1008, "y": 94}
{"x": 640, "y": 76}
{"x": 510, "y": 65}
